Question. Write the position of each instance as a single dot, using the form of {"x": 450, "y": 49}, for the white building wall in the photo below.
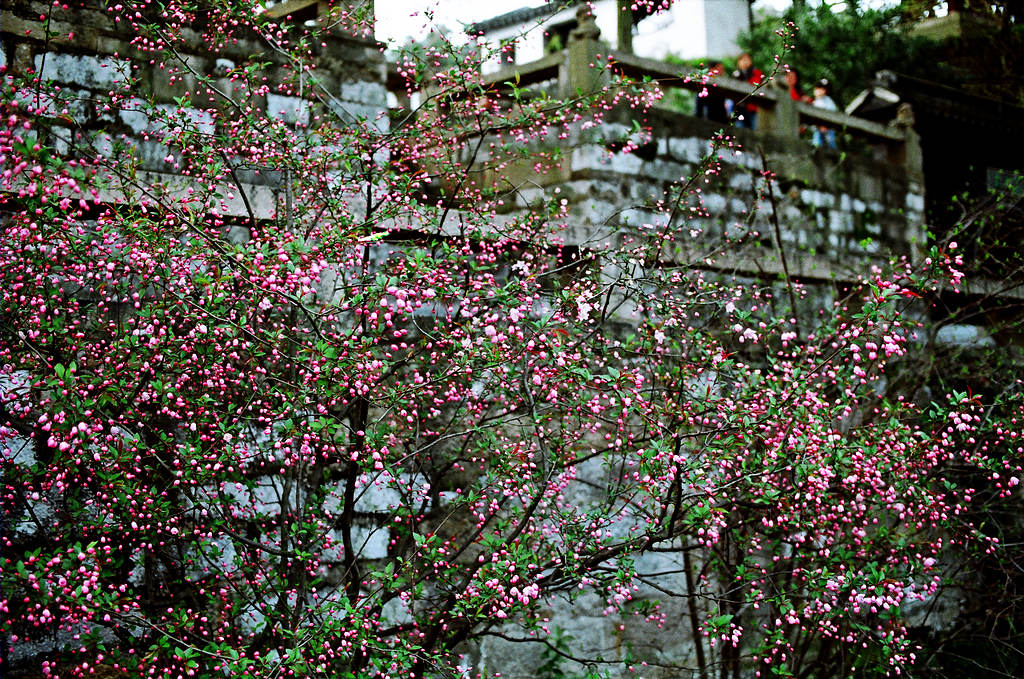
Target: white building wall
{"x": 690, "y": 29}
{"x": 679, "y": 31}
{"x": 725, "y": 20}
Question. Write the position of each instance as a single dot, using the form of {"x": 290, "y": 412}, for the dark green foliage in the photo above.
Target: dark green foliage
{"x": 847, "y": 46}
{"x": 989, "y": 66}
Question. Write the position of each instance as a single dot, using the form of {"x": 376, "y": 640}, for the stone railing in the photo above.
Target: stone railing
{"x": 836, "y": 209}
{"x": 586, "y": 65}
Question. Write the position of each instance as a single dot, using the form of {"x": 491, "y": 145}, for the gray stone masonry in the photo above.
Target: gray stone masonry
{"x": 81, "y": 54}
{"x": 840, "y": 213}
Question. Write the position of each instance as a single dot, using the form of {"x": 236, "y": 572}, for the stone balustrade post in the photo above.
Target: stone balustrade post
{"x": 584, "y": 72}
{"x": 783, "y": 119}
{"x": 908, "y": 154}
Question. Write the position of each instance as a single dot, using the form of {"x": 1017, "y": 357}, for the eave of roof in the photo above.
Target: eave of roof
{"x": 519, "y": 16}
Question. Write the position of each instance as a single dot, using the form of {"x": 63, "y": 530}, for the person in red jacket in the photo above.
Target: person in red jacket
{"x": 746, "y": 113}
{"x": 796, "y": 89}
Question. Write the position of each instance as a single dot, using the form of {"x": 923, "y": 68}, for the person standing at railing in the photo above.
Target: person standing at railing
{"x": 746, "y": 113}
{"x": 824, "y": 135}
{"x": 795, "y": 88}
{"x": 710, "y": 104}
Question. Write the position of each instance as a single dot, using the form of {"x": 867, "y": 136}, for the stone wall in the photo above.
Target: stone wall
{"x": 96, "y": 93}
{"x": 84, "y": 56}
{"x": 837, "y": 214}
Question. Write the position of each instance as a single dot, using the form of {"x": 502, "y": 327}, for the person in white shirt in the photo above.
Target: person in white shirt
{"x": 824, "y": 136}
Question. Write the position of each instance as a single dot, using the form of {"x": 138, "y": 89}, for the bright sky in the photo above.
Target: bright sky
{"x": 402, "y": 19}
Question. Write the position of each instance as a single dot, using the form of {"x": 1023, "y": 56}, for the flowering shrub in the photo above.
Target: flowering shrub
{"x": 307, "y": 399}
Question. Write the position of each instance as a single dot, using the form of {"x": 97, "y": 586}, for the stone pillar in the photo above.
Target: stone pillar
{"x": 782, "y": 119}
{"x": 624, "y": 25}
{"x": 585, "y": 74}
{"x": 908, "y": 154}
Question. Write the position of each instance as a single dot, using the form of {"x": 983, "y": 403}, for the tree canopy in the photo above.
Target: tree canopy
{"x": 846, "y": 45}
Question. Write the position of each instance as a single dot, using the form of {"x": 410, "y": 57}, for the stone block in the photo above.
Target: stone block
{"x": 645, "y": 192}
{"x": 666, "y": 171}
{"x": 589, "y": 157}
{"x": 736, "y": 229}
{"x": 133, "y": 115}
{"x": 741, "y": 181}
{"x": 606, "y": 132}
{"x": 369, "y": 541}
{"x": 840, "y": 221}
{"x": 169, "y": 82}
{"x": 352, "y": 112}
{"x": 818, "y": 199}
{"x": 223, "y": 66}
{"x": 238, "y": 234}
{"x": 369, "y": 93}
{"x": 871, "y": 246}
{"x": 45, "y": 104}
{"x": 870, "y": 186}
{"x": 653, "y": 563}
{"x": 577, "y": 190}
{"x": 397, "y": 612}
{"x": 715, "y": 203}
{"x": 914, "y": 232}
{"x": 264, "y": 498}
{"x": 218, "y": 556}
{"x": 626, "y": 163}
{"x": 152, "y": 155}
{"x": 739, "y": 157}
{"x": 643, "y": 219}
{"x": 596, "y": 188}
{"x": 290, "y": 110}
{"x": 528, "y": 196}
{"x": 103, "y": 145}
{"x": 377, "y": 494}
{"x": 60, "y": 138}
{"x": 52, "y": 32}
{"x": 97, "y": 73}
{"x": 791, "y": 215}
{"x": 22, "y": 54}
{"x": 691, "y": 150}
{"x": 963, "y": 335}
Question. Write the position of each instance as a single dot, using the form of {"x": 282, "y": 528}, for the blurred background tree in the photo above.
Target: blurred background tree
{"x": 977, "y": 47}
{"x": 843, "y": 42}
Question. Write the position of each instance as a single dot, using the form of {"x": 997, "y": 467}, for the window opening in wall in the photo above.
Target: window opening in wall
{"x": 556, "y": 37}
{"x": 508, "y": 51}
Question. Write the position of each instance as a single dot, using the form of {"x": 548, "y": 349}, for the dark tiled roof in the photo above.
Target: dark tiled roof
{"x": 519, "y": 16}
